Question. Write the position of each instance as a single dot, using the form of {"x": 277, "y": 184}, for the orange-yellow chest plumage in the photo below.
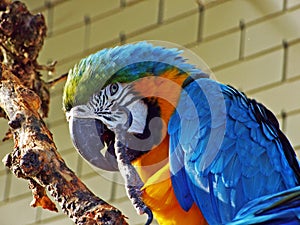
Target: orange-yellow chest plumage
{"x": 153, "y": 167}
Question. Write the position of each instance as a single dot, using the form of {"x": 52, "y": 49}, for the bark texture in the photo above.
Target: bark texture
{"x": 24, "y": 101}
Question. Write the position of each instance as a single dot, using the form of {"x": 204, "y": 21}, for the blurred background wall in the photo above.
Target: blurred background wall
{"x": 253, "y": 45}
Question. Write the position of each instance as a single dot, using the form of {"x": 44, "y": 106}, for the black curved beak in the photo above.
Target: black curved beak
{"x": 87, "y": 135}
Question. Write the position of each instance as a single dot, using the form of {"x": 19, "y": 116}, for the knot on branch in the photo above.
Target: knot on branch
{"x": 30, "y": 163}
{"x": 16, "y": 121}
{"x": 11, "y": 161}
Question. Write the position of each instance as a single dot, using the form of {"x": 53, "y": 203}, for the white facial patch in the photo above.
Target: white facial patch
{"x": 139, "y": 112}
{"x": 118, "y": 105}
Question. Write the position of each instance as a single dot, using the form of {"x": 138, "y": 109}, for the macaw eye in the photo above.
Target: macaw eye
{"x": 113, "y": 88}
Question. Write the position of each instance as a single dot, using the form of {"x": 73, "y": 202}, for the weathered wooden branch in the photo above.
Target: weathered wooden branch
{"x": 24, "y": 100}
{"x": 35, "y": 158}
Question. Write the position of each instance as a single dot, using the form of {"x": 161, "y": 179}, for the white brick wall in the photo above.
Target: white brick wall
{"x": 259, "y": 73}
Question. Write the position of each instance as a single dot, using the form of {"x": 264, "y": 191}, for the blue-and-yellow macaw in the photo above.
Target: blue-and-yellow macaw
{"x": 191, "y": 150}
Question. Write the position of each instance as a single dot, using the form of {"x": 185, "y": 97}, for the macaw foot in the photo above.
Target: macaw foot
{"x": 134, "y": 195}
{"x": 133, "y": 182}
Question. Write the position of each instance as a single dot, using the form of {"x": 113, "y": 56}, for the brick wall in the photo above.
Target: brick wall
{"x": 253, "y": 45}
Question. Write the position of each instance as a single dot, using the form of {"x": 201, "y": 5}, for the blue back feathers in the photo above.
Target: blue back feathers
{"x": 226, "y": 150}
{"x": 281, "y": 208}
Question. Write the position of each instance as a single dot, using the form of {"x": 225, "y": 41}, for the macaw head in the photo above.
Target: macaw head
{"x": 133, "y": 87}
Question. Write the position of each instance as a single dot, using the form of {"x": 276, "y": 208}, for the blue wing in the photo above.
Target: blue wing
{"x": 278, "y": 209}
{"x": 226, "y": 150}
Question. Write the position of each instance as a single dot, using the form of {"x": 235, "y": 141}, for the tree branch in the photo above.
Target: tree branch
{"x": 24, "y": 99}
{"x": 35, "y": 158}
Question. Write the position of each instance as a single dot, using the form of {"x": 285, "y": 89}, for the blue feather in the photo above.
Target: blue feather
{"x": 281, "y": 208}
{"x": 239, "y": 154}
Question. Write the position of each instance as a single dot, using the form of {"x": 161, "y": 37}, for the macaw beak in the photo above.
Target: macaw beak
{"x": 90, "y": 138}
